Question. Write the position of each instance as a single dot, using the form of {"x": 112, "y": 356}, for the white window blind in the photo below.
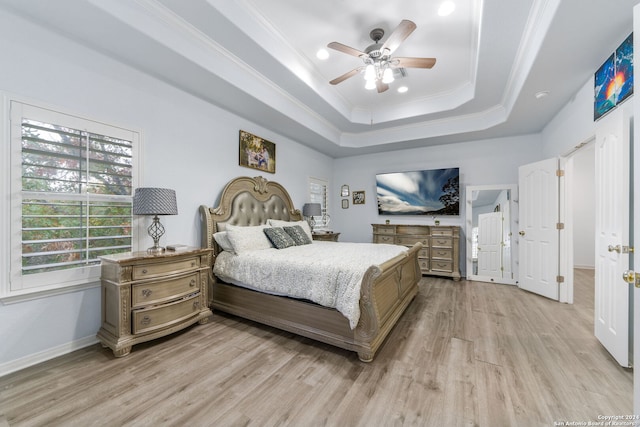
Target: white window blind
{"x": 318, "y": 193}
{"x": 74, "y": 178}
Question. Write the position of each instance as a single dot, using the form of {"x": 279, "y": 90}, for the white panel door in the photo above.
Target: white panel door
{"x": 612, "y": 235}
{"x": 490, "y": 244}
{"x": 636, "y": 230}
{"x": 539, "y": 236}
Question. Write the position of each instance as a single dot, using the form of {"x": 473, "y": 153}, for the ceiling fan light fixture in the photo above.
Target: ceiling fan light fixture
{"x": 380, "y": 68}
{"x": 446, "y": 8}
{"x": 387, "y": 76}
{"x": 370, "y": 73}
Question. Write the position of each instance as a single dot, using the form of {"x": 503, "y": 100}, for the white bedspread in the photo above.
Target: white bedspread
{"x": 327, "y": 273}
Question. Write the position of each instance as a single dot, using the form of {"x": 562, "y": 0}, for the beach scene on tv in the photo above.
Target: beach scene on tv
{"x": 427, "y": 192}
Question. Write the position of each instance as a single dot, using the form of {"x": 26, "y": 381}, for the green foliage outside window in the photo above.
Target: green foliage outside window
{"x": 70, "y": 210}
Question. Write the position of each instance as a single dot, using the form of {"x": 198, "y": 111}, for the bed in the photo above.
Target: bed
{"x": 386, "y": 289}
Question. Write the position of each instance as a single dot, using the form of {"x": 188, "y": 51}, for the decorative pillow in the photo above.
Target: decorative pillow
{"x": 280, "y": 223}
{"x": 298, "y": 235}
{"x": 222, "y": 239}
{"x": 248, "y": 238}
{"x": 279, "y": 237}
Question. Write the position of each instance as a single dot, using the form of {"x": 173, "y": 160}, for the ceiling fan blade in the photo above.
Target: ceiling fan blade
{"x": 402, "y": 31}
{"x": 345, "y": 49}
{"x": 414, "y": 62}
{"x": 345, "y": 76}
{"x": 381, "y": 86}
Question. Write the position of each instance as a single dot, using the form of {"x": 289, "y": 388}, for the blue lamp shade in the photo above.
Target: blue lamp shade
{"x": 154, "y": 201}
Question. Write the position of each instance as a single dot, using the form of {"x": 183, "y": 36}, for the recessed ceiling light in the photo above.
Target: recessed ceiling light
{"x": 322, "y": 54}
{"x": 446, "y": 8}
{"x": 542, "y": 94}
{"x": 403, "y": 89}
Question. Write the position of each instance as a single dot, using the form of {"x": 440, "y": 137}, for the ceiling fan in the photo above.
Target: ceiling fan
{"x": 378, "y": 64}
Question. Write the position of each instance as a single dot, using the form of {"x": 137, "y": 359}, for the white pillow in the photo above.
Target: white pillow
{"x": 248, "y": 238}
{"x": 222, "y": 239}
{"x": 280, "y": 223}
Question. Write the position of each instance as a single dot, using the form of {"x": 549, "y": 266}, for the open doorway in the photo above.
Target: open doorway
{"x": 583, "y": 195}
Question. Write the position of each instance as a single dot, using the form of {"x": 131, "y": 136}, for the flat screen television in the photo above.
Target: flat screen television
{"x": 426, "y": 192}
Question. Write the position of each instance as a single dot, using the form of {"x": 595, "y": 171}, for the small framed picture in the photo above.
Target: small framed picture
{"x": 358, "y": 197}
{"x": 345, "y": 203}
{"x": 257, "y": 152}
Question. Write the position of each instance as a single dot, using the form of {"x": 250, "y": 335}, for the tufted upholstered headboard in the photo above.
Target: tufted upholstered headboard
{"x": 246, "y": 201}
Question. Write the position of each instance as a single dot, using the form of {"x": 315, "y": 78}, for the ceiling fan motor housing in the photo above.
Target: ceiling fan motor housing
{"x": 374, "y": 51}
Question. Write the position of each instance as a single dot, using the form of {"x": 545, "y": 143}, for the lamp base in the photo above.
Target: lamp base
{"x": 156, "y": 230}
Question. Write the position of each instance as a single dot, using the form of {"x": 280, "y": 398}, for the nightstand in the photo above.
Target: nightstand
{"x": 326, "y": 236}
{"x": 147, "y": 296}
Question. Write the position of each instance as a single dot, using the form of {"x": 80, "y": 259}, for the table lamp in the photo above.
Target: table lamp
{"x": 310, "y": 210}
{"x": 155, "y": 201}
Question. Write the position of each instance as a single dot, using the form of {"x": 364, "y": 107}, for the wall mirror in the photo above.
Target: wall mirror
{"x": 491, "y": 220}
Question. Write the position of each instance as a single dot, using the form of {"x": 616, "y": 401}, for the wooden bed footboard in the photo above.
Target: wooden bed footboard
{"x": 386, "y": 292}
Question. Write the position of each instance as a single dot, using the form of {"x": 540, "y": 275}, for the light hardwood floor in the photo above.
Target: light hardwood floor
{"x": 465, "y": 353}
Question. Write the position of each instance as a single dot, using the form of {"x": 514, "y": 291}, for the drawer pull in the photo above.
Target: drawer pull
{"x": 146, "y": 292}
{"x": 145, "y": 320}
{"x": 196, "y": 304}
{"x": 193, "y": 263}
{"x": 144, "y": 271}
{"x": 192, "y": 282}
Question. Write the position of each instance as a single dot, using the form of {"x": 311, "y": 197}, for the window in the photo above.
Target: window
{"x": 71, "y": 187}
{"x": 318, "y": 194}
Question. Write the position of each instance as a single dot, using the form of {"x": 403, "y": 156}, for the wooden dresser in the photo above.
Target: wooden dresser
{"x": 440, "y": 255}
{"x": 146, "y": 296}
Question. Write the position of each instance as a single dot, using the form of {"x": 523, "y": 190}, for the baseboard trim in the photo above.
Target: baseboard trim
{"x": 585, "y": 267}
{"x": 43, "y": 356}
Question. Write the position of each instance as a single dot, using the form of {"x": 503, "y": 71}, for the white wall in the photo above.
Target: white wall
{"x": 189, "y": 145}
{"x": 584, "y": 216}
{"x": 574, "y": 125}
{"x": 494, "y": 161}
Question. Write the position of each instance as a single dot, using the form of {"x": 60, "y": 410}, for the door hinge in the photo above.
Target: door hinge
{"x": 559, "y": 172}
{"x": 560, "y": 226}
{"x": 560, "y": 279}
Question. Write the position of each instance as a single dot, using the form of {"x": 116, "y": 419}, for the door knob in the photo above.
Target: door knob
{"x": 632, "y": 277}
{"x": 521, "y": 233}
{"x": 615, "y": 248}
